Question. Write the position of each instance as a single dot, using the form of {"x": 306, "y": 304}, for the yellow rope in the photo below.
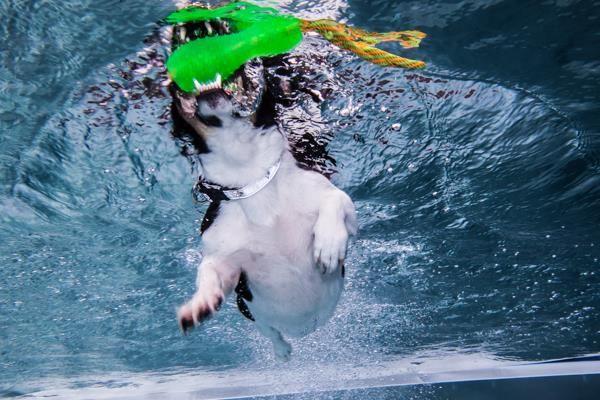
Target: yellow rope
{"x": 362, "y": 43}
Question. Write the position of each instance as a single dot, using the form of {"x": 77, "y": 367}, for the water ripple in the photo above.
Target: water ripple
{"x": 476, "y": 188}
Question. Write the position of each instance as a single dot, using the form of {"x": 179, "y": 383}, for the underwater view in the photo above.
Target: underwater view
{"x": 476, "y": 182}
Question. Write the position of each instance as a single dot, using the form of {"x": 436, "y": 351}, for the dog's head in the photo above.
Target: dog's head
{"x": 270, "y": 91}
{"x": 236, "y": 152}
{"x": 217, "y": 103}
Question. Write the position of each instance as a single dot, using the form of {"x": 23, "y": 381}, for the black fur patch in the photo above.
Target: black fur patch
{"x": 244, "y": 294}
{"x": 266, "y": 111}
{"x": 211, "y": 120}
{"x": 211, "y": 214}
{"x": 192, "y": 143}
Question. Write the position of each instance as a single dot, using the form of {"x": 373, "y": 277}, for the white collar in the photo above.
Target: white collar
{"x": 214, "y": 192}
{"x": 252, "y": 188}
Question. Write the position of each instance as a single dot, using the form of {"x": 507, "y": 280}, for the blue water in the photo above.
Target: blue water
{"x": 477, "y": 183}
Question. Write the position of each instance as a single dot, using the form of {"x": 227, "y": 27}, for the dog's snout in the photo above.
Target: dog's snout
{"x": 213, "y": 107}
{"x": 215, "y": 99}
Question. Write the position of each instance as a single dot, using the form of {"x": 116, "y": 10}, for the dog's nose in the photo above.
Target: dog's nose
{"x": 215, "y": 99}
{"x": 215, "y": 103}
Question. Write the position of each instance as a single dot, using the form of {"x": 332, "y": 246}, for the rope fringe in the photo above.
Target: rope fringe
{"x": 361, "y": 42}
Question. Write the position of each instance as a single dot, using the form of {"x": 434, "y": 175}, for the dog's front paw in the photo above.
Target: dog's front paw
{"x": 198, "y": 309}
{"x": 331, "y": 241}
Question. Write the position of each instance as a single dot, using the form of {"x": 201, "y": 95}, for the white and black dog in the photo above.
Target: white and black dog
{"x": 275, "y": 234}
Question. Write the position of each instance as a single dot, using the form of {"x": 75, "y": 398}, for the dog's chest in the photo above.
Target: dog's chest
{"x": 276, "y": 222}
{"x": 275, "y": 244}
{"x": 267, "y": 230}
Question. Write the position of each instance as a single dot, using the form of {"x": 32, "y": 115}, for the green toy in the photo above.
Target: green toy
{"x": 260, "y": 32}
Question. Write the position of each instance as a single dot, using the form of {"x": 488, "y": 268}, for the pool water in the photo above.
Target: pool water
{"x": 476, "y": 181}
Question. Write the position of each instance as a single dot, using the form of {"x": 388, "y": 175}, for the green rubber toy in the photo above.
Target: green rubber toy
{"x": 256, "y": 32}
{"x": 260, "y": 32}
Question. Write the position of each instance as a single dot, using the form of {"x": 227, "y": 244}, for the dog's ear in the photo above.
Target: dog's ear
{"x": 186, "y": 105}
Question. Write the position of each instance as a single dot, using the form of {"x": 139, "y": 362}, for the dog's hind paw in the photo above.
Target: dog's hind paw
{"x": 197, "y": 310}
{"x": 283, "y": 350}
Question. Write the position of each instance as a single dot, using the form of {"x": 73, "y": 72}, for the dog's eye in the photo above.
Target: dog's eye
{"x": 211, "y": 120}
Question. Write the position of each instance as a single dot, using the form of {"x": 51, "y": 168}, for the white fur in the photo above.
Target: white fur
{"x": 290, "y": 238}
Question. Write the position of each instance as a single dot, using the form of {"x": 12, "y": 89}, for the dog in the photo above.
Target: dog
{"x": 276, "y": 233}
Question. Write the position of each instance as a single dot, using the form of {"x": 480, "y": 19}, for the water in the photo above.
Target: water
{"x": 476, "y": 183}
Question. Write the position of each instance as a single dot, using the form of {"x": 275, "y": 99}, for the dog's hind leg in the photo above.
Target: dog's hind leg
{"x": 216, "y": 280}
{"x": 282, "y": 349}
